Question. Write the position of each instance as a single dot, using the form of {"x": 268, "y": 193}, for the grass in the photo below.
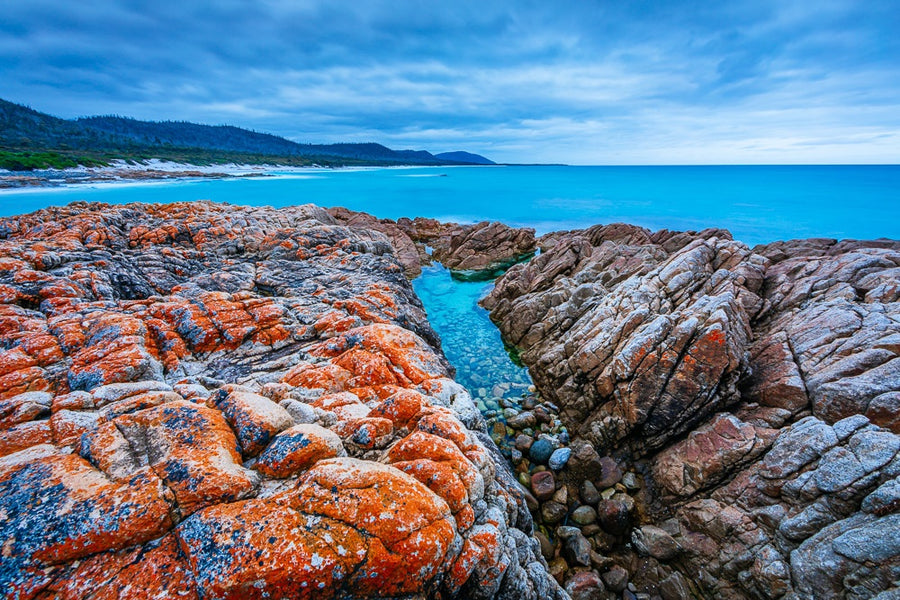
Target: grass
{"x": 29, "y": 161}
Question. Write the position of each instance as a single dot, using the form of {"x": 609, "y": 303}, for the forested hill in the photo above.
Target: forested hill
{"x": 23, "y": 129}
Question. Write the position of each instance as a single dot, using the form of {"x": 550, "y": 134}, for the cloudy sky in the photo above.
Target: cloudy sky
{"x": 581, "y": 82}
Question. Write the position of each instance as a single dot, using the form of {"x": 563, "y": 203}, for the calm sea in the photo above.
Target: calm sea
{"x": 757, "y": 203}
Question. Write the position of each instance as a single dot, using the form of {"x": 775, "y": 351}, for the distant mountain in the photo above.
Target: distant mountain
{"x": 464, "y": 157}
{"x": 25, "y": 129}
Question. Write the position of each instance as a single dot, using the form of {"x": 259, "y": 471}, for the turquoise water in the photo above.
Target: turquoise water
{"x": 757, "y": 203}
{"x": 469, "y": 339}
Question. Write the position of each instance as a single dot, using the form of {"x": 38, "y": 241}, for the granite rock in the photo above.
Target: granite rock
{"x": 208, "y": 401}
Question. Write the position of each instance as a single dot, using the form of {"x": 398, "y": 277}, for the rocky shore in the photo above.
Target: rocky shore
{"x": 122, "y": 172}
{"x": 209, "y": 401}
{"x": 750, "y": 397}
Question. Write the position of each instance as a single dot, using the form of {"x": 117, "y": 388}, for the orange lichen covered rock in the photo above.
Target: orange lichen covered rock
{"x": 367, "y": 432}
{"x": 58, "y": 508}
{"x": 350, "y": 525}
{"x": 440, "y": 465}
{"x": 180, "y": 386}
{"x": 24, "y": 436}
{"x": 409, "y": 358}
{"x": 296, "y": 449}
{"x": 158, "y": 570}
{"x": 254, "y": 418}
{"x": 400, "y": 407}
{"x": 192, "y": 448}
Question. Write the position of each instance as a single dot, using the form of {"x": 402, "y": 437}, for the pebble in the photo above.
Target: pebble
{"x": 553, "y": 512}
{"x": 585, "y": 585}
{"x": 523, "y": 442}
{"x": 559, "y": 458}
{"x": 611, "y": 473}
{"x": 561, "y": 495}
{"x": 547, "y": 547}
{"x": 558, "y": 568}
{"x": 540, "y": 451}
{"x": 589, "y": 493}
{"x": 576, "y": 547}
{"x": 630, "y": 481}
{"x": 616, "y": 579}
{"x": 584, "y": 515}
{"x": 615, "y": 514}
{"x": 515, "y": 455}
{"x": 521, "y": 420}
{"x": 543, "y": 484}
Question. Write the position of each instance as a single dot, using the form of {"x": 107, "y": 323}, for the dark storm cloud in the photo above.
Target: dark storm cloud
{"x": 594, "y": 82}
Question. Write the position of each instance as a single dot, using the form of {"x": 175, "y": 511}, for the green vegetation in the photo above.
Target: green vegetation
{"x": 33, "y": 140}
{"x": 29, "y": 161}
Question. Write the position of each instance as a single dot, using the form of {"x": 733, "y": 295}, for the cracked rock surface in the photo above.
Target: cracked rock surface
{"x": 209, "y": 401}
{"x": 755, "y": 391}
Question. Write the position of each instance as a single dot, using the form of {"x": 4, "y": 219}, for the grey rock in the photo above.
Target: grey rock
{"x": 301, "y": 413}
{"x": 883, "y": 500}
{"x": 522, "y": 420}
{"x": 652, "y": 541}
{"x": 584, "y": 515}
{"x": 559, "y": 458}
{"x": 616, "y": 579}
{"x": 589, "y": 493}
{"x": 576, "y": 548}
{"x": 876, "y": 541}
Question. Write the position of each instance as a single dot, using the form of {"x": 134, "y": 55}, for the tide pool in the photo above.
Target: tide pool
{"x": 470, "y": 341}
{"x": 757, "y": 203}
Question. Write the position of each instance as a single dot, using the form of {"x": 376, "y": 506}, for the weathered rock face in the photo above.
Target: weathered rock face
{"x": 208, "y": 401}
{"x": 485, "y": 247}
{"x": 479, "y": 251}
{"x": 756, "y": 391}
{"x": 639, "y": 345}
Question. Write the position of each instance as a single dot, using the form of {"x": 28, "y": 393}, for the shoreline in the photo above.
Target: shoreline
{"x": 162, "y": 171}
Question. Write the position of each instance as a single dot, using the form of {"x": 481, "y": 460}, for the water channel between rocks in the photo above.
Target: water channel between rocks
{"x": 473, "y": 345}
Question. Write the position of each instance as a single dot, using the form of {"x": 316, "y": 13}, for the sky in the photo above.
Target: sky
{"x": 580, "y": 82}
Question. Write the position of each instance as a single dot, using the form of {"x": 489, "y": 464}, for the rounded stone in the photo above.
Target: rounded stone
{"x": 585, "y": 585}
{"x": 547, "y": 547}
{"x": 543, "y": 484}
{"x": 584, "y": 515}
{"x": 553, "y": 512}
{"x": 524, "y": 442}
{"x": 559, "y": 458}
{"x": 616, "y": 579}
{"x": 521, "y": 420}
{"x": 611, "y": 473}
{"x": 589, "y": 493}
{"x": 615, "y": 515}
{"x": 540, "y": 451}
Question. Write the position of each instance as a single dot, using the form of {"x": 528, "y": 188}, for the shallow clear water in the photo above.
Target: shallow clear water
{"x": 757, "y": 203}
{"x": 471, "y": 342}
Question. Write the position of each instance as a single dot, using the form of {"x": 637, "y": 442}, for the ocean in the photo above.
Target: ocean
{"x": 757, "y": 203}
